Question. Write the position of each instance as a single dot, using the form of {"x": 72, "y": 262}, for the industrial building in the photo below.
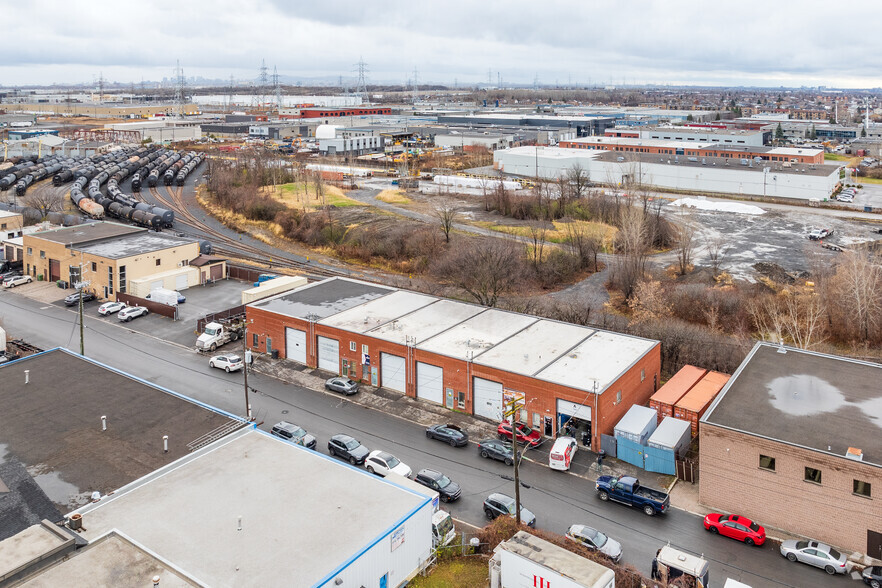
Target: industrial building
{"x": 465, "y": 357}
{"x": 116, "y": 258}
{"x": 794, "y": 441}
{"x": 687, "y": 174}
{"x": 330, "y": 112}
{"x": 215, "y": 510}
{"x": 703, "y": 134}
{"x": 335, "y": 140}
{"x": 583, "y": 126}
{"x": 100, "y": 109}
{"x": 161, "y": 131}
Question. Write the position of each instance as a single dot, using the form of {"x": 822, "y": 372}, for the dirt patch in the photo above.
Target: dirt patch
{"x": 778, "y": 274}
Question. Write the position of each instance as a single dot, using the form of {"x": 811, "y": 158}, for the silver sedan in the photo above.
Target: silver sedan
{"x": 815, "y": 554}
{"x": 342, "y": 385}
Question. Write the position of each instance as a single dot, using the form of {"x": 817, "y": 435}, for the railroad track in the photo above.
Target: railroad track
{"x": 227, "y": 245}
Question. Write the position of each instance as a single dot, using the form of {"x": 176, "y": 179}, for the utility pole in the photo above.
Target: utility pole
{"x": 245, "y": 354}
{"x": 512, "y": 409}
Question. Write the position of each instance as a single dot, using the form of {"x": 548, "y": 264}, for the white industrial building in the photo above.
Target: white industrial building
{"x": 707, "y": 135}
{"x": 161, "y": 131}
{"x": 464, "y": 140}
{"x": 333, "y": 139}
{"x": 745, "y": 177}
{"x": 253, "y": 510}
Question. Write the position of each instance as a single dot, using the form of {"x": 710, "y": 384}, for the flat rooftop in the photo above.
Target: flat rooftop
{"x": 573, "y": 566}
{"x": 133, "y": 244}
{"x": 727, "y": 163}
{"x": 804, "y": 398}
{"x": 477, "y": 334}
{"x": 190, "y": 512}
{"x": 426, "y": 322}
{"x": 528, "y": 351}
{"x": 52, "y": 425}
{"x": 323, "y": 299}
{"x": 378, "y": 312}
{"x": 647, "y": 142}
{"x": 87, "y": 232}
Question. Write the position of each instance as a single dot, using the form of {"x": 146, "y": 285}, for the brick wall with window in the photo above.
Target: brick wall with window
{"x": 829, "y": 498}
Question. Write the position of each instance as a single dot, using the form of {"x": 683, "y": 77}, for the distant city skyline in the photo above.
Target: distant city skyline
{"x": 790, "y": 44}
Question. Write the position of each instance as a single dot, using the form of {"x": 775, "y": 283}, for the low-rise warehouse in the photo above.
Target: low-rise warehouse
{"x": 794, "y": 440}
{"x": 465, "y": 357}
{"x": 690, "y": 174}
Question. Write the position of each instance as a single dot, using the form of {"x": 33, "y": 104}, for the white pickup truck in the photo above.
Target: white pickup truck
{"x": 216, "y": 334}
{"x": 820, "y": 234}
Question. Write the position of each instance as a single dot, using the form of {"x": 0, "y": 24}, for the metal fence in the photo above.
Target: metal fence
{"x": 219, "y": 316}
{"x": 157, "y": 307}
{"x": 244, "y": 273}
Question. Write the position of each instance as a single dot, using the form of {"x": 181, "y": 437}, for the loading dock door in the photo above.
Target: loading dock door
{"x": 54, "y": 270}
{"x": 295, "y": 345}
{"x": 329, "y": 355}
{"x": 393, "y": 373}
{"x": 430, "y": 383}
{"x": 181, "y": 282}
{"x": 488, "y": 399}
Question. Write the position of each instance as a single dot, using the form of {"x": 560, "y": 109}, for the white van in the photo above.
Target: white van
{"x": 562, "y": 453}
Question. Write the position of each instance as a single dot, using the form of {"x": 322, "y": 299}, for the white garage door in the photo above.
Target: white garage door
{"x": 158, "y": 285}
{"x": 295, "y": 345}
{"x": 573, "y": 410}
{"x": 430, "y": 383}
{"x": 393, "y": 372}
{"x": 181, "y": 282}
{"x": 488, "y": 399}
{"x": 329, "y": 355}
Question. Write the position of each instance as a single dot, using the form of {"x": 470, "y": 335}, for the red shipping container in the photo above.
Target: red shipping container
{"x": 667, "y": 396}
{"x": 694, "y": 404}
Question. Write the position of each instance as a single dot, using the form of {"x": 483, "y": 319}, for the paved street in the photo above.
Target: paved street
{"x": 558, "y": 499}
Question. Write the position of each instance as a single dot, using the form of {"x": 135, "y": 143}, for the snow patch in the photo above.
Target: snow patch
{"x": 701, "y": 204}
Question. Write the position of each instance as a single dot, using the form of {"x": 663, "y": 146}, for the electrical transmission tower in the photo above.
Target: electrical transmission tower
{"x": 230, "y": 93}
{"x": 416, "y": 85}
{"x": 361, "y": 86}
{"x": 180, "y": 82}
{"x": 278, "y": 88}
{"x": 258, "y": 96}
{"x": 100, "y": 86}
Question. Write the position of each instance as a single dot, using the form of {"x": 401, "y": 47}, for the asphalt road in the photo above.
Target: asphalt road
{"x": 558, "y": 499}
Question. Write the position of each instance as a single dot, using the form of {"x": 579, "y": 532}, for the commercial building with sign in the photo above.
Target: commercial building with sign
{"x": 466, "y": 357}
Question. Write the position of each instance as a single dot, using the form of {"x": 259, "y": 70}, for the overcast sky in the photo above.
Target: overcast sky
{"x": 770, "y": 43}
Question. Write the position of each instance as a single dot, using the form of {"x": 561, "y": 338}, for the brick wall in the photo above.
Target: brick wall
{"x": 636, "y": 385}
{"x": 732, "y": 481}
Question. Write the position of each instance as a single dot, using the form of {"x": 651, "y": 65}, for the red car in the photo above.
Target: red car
{"x": 736, "y": 527}
{"x": 524, "y": 433}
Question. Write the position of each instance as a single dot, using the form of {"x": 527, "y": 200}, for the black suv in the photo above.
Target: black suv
{"x": 293, "y": 433}
{"x": 497, "y": 505}
{"x": 498, "y": 450}
{"x": 74, "y": 298}
{"x": 348, "y": 448}
{"x": 446, "y": 488}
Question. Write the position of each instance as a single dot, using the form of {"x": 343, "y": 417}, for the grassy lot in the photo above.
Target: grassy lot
{"x": 458, "y": 572}
{"x": 393, "y": 197}
{"x": 558, "y": 231}
{"x": 300, "y": 195}
{"x": 835, "y": 157}
{"x": 863, "y": 180}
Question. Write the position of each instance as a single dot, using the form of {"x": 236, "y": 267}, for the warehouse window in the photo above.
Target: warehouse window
{"x": 642, "y": 374}
{"x": 618, "y": 396}
{"x": 42, "y": 255}
{"x": 94, "y": 267}
{"x": 862, "y": 488}
{"x": 254, "y": 339}
{"x": 158, "y": 261}
{"x": 352, "y": 346}
{"x": 812, "y": 475}
{"x": 767, "y": 463}
{"x": 30, "y": 250}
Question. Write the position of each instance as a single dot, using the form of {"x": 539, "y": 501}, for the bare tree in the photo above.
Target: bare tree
{"x": 795, "y": 317}
{"x": 44, "y": 200}
{"x": 486, "y": 269}
{"x": 578, "y": 181}
{"x": 716, "y": 248}
{"x": 630, "y": 263}
{"x": 448, "y": 215}
{"x": 684, "y": 244}
{"x": 857, "y": 282}
{"x": 537, "y": 244}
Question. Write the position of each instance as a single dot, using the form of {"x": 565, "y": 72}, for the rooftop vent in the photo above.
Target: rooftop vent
{"x": 855, "y": 454}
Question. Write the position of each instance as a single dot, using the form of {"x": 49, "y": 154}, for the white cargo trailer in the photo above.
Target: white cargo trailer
{"x": 526, "y": 561}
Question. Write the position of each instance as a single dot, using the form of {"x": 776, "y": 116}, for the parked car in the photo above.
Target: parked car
{"x": 846, "y": 198}
{"x": 872, "y": 576}
{"x": 446, "y": 488}
{"x": 497, "y": 505}
{"x": 228, "y": 363}
{"x": 628, "y": 490}
{"x": 130, "y": 312}
{"x": 13, "y": 281}
{"x": 162, "y": 297}
{"x": 736, "y": 527}
{"x": 595, "y": 540}
{"x": 562, "y": 452}
{"x": 109, "y": 308}
{"x": 294, "y": 434}
{"x": 348, "y": 448}
{"x": 818, "y": 234}
{"x": 382, "y": 463}
{"x": 72, "y": 299}
{"x": 524, "y": 433}
{"x": 10, "y": 273}
{"x": 342, "y": 385}
{"x": 498, "y": 450}
{"x": 815, "y": 554}
{"x": 450, "y": 434}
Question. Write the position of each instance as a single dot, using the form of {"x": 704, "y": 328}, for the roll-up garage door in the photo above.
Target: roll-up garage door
{"x": 488, "y": 399}
{"x": 393, "y": 372}
{"x": 181, "y": 282}
{"x": 329, "y": 355}
{"x": 430, "y": 383}
{"x": 295, "y": 345}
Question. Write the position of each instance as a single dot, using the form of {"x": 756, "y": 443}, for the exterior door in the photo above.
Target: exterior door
{"x": 181, "y": 282}
{"x": 874, "y": 544}
{"x": 157, "y": 285}
{"x": 487, "y": 399}
{"x": 393, "y": 372}
{"x": 216, "y": 272}
{"x": 430, "y": 383}
{"x": 329, "y": 355}
{"x": 295, "y": 345}
{"x": 54, "y": 270}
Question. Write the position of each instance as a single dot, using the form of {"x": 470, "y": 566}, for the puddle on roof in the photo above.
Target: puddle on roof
{"x": 3, "y": 452}
{"x": 871, "y": 408}
{"x": 804, "y": 395}
{"x": 59, "y": 491}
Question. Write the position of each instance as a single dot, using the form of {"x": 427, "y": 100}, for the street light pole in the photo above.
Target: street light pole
{"x": 517, "y": 480}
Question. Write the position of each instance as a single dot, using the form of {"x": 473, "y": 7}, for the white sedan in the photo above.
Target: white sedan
{"x": 130, "y": 312}
{"x": 16, "y": 281}
{"x": 109, "y": 308}
{"x": 228, "y": 363}
{"x": 381, "y": 463}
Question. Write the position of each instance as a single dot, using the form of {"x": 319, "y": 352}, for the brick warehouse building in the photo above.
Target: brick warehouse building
{"x": 462, "y": 356}
{"x": 794, "y": 441}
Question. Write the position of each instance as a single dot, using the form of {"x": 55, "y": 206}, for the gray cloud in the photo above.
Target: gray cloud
{"x": 676, "y": 41}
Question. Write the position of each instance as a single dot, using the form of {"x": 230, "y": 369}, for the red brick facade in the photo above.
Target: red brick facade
{"x": 716, "y": 150}
{"x": 732, "y": 480}
{"x": 636, "y": 385}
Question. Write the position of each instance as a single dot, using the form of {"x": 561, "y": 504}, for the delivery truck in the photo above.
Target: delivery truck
{"x": 526, "y": 561}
